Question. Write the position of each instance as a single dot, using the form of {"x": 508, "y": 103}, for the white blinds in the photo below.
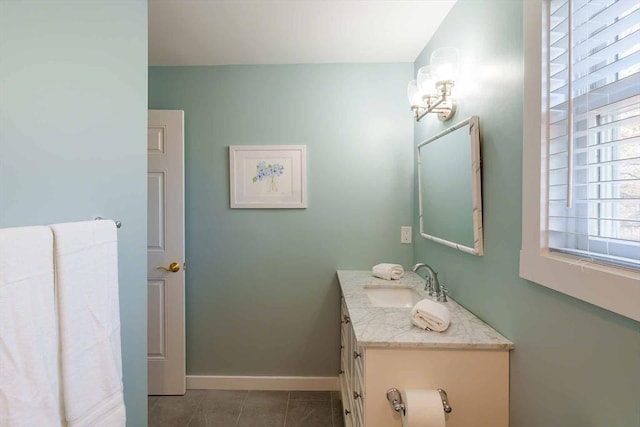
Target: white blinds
{"x": 593, "y": 113}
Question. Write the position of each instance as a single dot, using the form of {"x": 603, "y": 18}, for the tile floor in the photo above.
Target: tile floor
{"x": 227, "y": 408}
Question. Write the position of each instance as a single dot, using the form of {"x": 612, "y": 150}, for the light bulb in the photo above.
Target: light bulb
{"x": 444, "y": 63}
{"x": 413, "y": 94}
{"x": 426, "y": 85}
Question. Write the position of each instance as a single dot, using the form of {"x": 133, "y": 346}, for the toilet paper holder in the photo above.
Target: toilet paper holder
{"x": 394, "y": 396}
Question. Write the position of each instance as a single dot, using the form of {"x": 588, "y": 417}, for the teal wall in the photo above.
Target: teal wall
{"x": 262, "y": 293}
{"x": 73, "y": 100}
{"x": 574, "y": 365}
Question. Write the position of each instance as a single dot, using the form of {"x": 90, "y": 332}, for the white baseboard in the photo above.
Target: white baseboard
{"x": 217, "y": 382}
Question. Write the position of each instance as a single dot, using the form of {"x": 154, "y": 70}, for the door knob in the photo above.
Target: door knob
{"x": 174, "y": 267}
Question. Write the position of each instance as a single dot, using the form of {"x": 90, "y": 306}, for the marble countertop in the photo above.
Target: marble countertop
{"x": 391, "y": 326}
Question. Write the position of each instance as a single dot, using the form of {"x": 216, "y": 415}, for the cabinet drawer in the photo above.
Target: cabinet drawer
{"x": 343, "y": 309}
{"x": 344, "y": 363}
{"x": 358, "y": 358}
{"x": 347, "y": 401}
{"x": 358, "y": 383}
{"x": 358, "y": 355}
{"x": 358, "y": 415}
{"x": 344, "y": 335}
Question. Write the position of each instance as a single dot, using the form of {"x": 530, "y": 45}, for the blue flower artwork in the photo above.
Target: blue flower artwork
{"x": 268, "y": 172}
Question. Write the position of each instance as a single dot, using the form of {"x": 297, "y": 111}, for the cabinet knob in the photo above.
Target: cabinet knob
{"x": 346, "y": 319}
{"x": 356, "y": 395}
{"x": 347, "y": 412}
{"x": 356, "y": 354}
{"x": 341, "y": 372}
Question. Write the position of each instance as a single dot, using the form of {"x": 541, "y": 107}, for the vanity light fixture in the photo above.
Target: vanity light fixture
{"x": 430, "y": 92}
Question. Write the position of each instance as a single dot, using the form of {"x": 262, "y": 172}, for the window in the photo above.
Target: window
{"x": 581, "y": 187}
{"x": 593, "y": 130}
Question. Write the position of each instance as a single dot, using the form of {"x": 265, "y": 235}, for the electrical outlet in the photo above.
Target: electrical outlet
{"x": 405, "y": 234}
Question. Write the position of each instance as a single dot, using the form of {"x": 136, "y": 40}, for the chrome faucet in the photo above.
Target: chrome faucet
{"x": 432, "y": 286}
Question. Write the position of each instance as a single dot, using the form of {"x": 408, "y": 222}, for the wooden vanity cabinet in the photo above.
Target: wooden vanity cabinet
{"x": 476, "y": 381}
{"x": 351, "y": 373}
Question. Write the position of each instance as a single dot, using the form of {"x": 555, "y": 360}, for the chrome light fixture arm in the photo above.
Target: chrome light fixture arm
{"x": 443, "y": 105}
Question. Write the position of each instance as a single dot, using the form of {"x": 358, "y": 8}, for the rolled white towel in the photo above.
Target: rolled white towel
{"x": 427, "y": 314}
{"x": 388, "y": 271}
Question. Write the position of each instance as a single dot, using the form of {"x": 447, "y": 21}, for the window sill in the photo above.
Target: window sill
{"x": 615, "y": 289}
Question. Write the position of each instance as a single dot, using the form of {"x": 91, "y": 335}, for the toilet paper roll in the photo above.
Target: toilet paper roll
{"x": 423, "y": 408}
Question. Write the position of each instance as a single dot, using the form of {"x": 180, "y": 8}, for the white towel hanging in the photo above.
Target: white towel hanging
{"x": 29, "y": 383}
{"x": 86, "y": 261}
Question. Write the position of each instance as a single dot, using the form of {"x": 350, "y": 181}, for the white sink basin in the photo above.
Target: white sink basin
{"x": 392, "y": 296}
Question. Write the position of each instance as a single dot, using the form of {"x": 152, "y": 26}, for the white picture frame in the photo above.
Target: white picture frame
{"x": 268, "y": 176}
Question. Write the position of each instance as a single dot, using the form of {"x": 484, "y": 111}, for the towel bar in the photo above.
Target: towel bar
{"x": 118, "y": 223}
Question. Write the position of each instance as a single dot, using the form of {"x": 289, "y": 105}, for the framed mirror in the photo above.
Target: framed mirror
{"x": 449, "y": 187}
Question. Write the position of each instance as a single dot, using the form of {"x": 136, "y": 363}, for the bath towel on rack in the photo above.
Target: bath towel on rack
{"x": 29, "y": 383}
{"x": 86, "y": 262}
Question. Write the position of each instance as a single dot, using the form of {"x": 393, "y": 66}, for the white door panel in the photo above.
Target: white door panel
{"x": 157, "y": 344}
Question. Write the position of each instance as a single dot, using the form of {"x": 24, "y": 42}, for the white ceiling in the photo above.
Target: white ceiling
{"x": 217, "y": 32}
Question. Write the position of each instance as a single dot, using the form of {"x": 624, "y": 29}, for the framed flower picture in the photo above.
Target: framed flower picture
{"x": 268, "y": 176}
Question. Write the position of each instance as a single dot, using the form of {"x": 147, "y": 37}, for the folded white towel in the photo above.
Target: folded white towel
{"x": 29, "y": 383}
{"x": 388, "y": 271}
{"x": 427, "y": 314}
{"x": 86, "y": 262}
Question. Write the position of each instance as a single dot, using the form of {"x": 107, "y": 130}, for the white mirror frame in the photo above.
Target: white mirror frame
{"x": 476, "y": 190}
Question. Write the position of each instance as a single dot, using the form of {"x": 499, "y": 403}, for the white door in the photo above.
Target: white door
{"x": 165, "y": 252}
